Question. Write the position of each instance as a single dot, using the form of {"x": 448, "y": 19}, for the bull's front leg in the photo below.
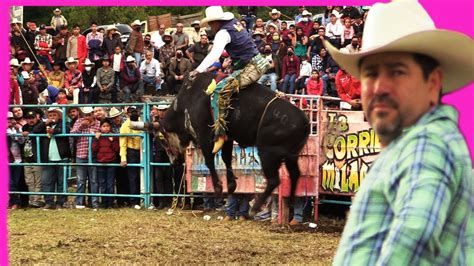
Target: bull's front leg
{"x": 227, "y": 158}
{"x": 209, "y": 158}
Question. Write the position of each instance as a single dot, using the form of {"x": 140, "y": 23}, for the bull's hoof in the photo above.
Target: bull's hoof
{"x": 231, "y": 187}
{"x": 218, "y": 191}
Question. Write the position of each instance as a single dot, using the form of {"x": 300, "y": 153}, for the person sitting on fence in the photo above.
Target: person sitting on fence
{"x": 32, "y": 173}
{"x": 105, "y": 149}
{"x": 87, "y": 124}
{"x": 15, "y": 144}
{"x": 54, "y": 150}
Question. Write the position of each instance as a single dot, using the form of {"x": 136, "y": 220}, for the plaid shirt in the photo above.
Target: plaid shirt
{"x": 415, "y": 206}
{"x": 82, "y": 145}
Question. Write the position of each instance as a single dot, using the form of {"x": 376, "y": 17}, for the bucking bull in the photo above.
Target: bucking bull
{"x": 257, "y": 118}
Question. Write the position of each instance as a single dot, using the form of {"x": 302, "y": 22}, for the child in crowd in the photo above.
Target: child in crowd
{"x": 305, "y": 72}
{"x": 62, "y": 97}
{"x": 105, "y": 149}
{"x": 314, "y": 85}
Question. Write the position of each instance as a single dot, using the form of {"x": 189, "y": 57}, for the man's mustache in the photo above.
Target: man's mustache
{"x": 382, "y": 99}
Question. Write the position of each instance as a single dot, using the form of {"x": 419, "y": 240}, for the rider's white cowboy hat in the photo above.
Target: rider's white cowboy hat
{"x": 214, "y": 13}
{"x": 405, "y": 26}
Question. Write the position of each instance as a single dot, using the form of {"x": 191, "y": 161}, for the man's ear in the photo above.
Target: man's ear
{"x": 435, "y": 82}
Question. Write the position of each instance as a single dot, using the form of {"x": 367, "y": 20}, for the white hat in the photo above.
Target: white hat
{"x": 57, "y": 10}
{"x": 136, "y": 23}
{"x": 88, "y": 62}
{"x": 114, "y": 112}
{"x": 55, "y": 108}
{"x": 130, "y": 59}
{"x": 163, "y": 106}
{"x": 112, "y": 27}
{"x": 70, "y": 60}
{"x": 87, "y": 110}
{"x": 15, "y": 21}
{"x": 391, "y": 28}
{"x": 27, "y": 61}
{"x": 275, "y": 11}
{"x": 258, "y": 32}
{"x": 272, "y": 25}
{"x": 14, "y": 62}
{"x": 305, "y": 13}
{"x": 214, "y": 13}
{"x": 195, "y": 22}
{"x": 25, "y": 75}
{"x": 10, "y": 115}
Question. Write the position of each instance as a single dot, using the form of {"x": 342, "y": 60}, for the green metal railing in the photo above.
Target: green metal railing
{"x": 146, "y": 165}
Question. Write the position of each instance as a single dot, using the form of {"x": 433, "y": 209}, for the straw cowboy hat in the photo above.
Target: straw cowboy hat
{"x": 27, "y": 61}
{"x": 111, "y": 27}
{"x": 258, "y": 32}
{"x": 114, "y": 112}
{"x": 86, "y": 110}
{"x": 405, "y": 26}
{"x": 196, "y": 22}
{"x": 55, "y": 109}
{"x": 14, "y": 62}
{"x": 214, "y": 13}
{"x": 71, "y": 60}
{"x": 130, "y": 59}
{"x": 136, "y": 23}
{"x": 57, "y": 10}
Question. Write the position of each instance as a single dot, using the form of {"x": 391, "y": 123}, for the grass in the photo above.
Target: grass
{"x": 142, "y": 236}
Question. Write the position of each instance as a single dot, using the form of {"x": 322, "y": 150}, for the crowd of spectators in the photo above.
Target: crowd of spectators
{"x": 57, "y": 64}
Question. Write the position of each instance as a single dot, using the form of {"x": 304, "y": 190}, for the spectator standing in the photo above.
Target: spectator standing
{"x": 60, "y": 45}
{"x": 118, "y": 64}
{"x": 58, "y": 20}
{"x": 180, "y": 38}
{"x": 130, "y": 153}
{"x": 32, "y": 172}
{"x": 197, "y": 33}
{"x": 77, "y": 47}
{"x": 105, "y": 149}
{"x": 53, "y": 150}
{"x": 94, "y": 40}
{"x": 274, "y": 19}
{"x": 157, "y": 39}
{"x": 167, "y": 51}
{"x": 87, "y": 124}
{"x": 43, "y": 43}
{"x": 15, "y": 144}
{"x": 111, "y": 40}
{"x": 135, "y": 42}
{"x": 305, "y": 23}
{"x": 299, "y": 16}
{"x": 86, "y": 93}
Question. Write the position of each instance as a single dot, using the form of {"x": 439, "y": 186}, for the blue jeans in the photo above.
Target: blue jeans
{"x": 138, "y": 58}
{"x": 15, "y": 176}
{"x": 83, "y": 173}
{"x": 106, "y": 178}
{"x": 273, "y": 80}
{"x": 325, "y": 79}
{"x": 52, "y": 180}
{"x": 45, "y": 61}
{"x": 291, "y": 80}
{"x": 151, "y": 80}
{"x": 135, "y": 89}
{"x": 240, "y": 201}
{"x": 298, "y": 209}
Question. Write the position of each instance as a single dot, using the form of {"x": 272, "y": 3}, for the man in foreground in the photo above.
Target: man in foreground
{"x": 415, "y": 206}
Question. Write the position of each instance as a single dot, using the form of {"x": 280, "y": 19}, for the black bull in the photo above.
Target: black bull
{"x": 278, "y": 129}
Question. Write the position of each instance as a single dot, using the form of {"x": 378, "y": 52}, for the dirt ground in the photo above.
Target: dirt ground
{"x": 144, "y": 236}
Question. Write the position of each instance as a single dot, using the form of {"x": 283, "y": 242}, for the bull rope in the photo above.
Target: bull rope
{"x": 174, "y": 204}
